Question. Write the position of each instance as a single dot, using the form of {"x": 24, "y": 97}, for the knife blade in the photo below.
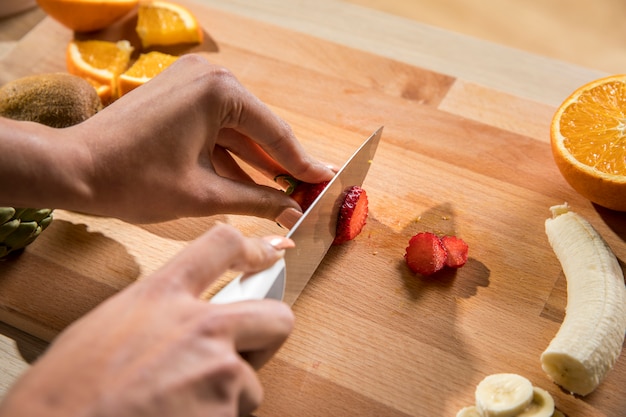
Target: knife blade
{"x": 313, "y": 234}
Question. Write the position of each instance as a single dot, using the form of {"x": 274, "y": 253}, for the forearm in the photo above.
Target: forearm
{"x": 41, "y": 167}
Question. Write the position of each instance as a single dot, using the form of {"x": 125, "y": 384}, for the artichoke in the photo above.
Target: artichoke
{"x": 20, "y": 226}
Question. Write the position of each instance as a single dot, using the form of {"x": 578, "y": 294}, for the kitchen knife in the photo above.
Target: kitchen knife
{"x": 313, "y": 234}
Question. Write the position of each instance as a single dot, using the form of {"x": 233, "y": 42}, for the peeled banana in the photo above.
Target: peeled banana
{"x": 591, "y": 336}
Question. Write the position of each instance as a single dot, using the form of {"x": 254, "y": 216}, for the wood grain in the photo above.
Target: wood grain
{"x": 457, "y": 157}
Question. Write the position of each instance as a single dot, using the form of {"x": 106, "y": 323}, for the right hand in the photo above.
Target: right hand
{"x": 157, "y": 349}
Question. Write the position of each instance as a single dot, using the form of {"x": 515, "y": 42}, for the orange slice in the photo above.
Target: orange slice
{"x": 165, "y": 23}
{"x": 588, "y": 137}
{"x": 100, "y": 63}
{"x": 87, "y": 15}
{"x": 144, "y": 69}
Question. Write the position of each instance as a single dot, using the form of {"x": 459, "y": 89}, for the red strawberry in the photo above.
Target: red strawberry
{"x": 457, "y": 251}
{"x": 305, "y": 193}
{"x": 425, "y": 254}
{"x": 352, "y": 215}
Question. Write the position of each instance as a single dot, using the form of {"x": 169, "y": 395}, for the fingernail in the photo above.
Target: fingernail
{"x": 280, "y": 243}
{"x": 288, "y": 218}
{"x": 333, "y": 168}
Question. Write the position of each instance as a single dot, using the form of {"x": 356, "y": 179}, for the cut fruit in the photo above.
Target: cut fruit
{"x": 100, "y": 63}
{"x": 87, "y": 15}
{"x": 425, "y": 254}
{"x": 542, "y": 404}
{"x": 352, "y": 215}
{"x": 503, "y": 395}
{"x": 470, "y": 411}
{"x": 143, "y": 70}
{"x": 591, "y": 336}
{"x": 457, "y": 251}
{"x": 588, "y": 137}
{"x": 166, "y": 23}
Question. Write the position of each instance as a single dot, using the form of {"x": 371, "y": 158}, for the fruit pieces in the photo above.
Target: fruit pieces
{"x": 457, "y": 251}
{"x": 591, "y": 336}
{"x": 509, "y": 395}
{"x": 144, "y": 69}
{"x": 352, "y": 213}
{"x": 587, "y": 134}
{"x": 164, "y": 23}
{"x": 107, "y": 65}
{"x": 87, "y": 15}
{"x": 100, "y": 63}
{"x": 427, "y": 253}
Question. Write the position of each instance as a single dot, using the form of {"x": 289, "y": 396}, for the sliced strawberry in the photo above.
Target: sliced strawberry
{"x": 352, "y": 215}
{"x": 457, "y": 251}
{"x": 425, "y": 254}
{"x": 305, "y": 193}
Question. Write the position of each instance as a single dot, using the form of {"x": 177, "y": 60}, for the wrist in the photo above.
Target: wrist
{"x": 42, "y": 166}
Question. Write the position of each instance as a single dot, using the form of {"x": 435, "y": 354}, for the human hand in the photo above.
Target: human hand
{"x": 165, "y": 150}
{"x": 156, "y": 349}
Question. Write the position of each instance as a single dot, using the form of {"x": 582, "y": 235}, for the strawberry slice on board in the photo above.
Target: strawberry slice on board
{"x": 425, "y": 254}
{"x": 457, "y": 251}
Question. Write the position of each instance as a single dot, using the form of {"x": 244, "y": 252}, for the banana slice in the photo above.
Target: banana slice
{"x": 542, "y": 404}
{"x": 591, "y": 336}
{"x": 503, "y": 395}
{"x": 470, "y": 411}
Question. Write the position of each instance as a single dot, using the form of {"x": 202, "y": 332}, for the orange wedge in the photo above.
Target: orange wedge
{"x": 87, "y": 15}
{"x": 100, "y": 63}
{"x": 143, "y": 70}
{"x": 588, "y": 137}
{"x": 165, "y": 23}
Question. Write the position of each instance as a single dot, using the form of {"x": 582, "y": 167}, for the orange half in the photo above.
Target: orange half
{"x": 588, "y": 138}
{"x": 87, "y": 15}
{"x": 166, "y": 23}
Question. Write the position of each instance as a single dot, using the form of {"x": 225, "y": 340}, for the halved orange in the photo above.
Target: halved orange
{"x": 144, "y": 69}
{"x": 166, "y": 23}
{"x": 100, "y": 63}
{"x": 87, "y": 15}
{"x": 588, "y": 138}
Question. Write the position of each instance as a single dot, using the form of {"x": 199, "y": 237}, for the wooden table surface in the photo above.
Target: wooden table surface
{"x": 465, "y": 151}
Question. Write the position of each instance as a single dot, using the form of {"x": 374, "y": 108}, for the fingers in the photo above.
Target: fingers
{"x": 241, "y": 111}
{"x": 220, "y": 249}
{"x": 258, "y": 328}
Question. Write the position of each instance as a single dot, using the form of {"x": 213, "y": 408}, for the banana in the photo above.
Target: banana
{"x": 510, "y": 395}
{"x": 470, "y": 411}
{"x": 542, "y": 404}
{"x": 591, "y": 336}
{"x": 503, "y": 395}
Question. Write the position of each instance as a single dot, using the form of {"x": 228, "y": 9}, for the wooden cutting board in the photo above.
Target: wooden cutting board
{"x": 371, "y": 338}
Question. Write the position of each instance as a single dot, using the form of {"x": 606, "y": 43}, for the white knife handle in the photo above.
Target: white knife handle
{"x": 269, "y": 283}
